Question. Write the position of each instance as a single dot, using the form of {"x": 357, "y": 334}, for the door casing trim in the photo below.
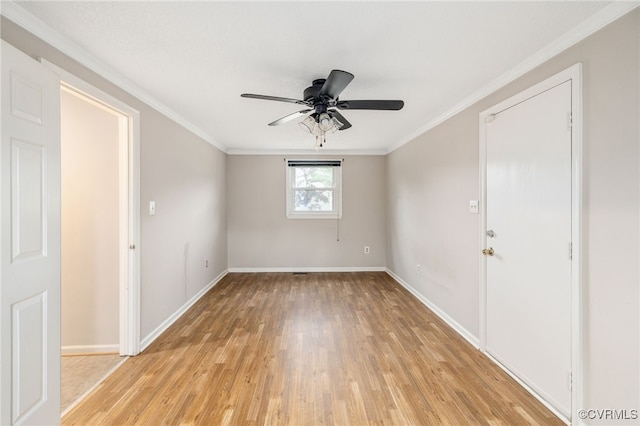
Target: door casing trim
{"x": 129, "y": 125}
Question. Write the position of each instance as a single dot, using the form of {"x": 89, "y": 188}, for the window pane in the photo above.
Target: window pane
{"x": 314, "y": 177}
{"x": 313, "y": 200}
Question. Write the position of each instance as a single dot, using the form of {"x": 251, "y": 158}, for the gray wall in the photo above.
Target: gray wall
{"x": 430, "y": 183}
{"x": 185, "y": 175}
{"x": 432, "y": 179}
{"x": 261, "y": 236}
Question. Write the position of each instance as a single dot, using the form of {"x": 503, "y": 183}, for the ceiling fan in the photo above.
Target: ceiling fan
{"x": 321, "y": 100}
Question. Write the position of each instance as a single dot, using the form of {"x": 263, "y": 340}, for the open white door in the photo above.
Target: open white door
{"x": 30, "y": 247}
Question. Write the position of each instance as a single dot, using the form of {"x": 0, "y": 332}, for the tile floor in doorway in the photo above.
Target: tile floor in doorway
{"x": 81, "y": 372}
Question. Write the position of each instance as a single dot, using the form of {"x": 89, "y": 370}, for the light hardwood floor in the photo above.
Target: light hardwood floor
{"x": 311, "y": 349}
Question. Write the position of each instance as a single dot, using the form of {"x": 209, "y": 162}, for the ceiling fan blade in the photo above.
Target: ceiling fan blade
{"x": 335, "y": 83}
{"x": 340, "y": 118}
{"x": 273, "y": 98}
{"x": 371, "y": 104}
{"x": 290, "y": 117}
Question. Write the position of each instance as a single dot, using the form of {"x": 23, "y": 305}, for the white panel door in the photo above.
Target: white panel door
{"x": 529, "y": 229}
{"x": 30, "y": 243}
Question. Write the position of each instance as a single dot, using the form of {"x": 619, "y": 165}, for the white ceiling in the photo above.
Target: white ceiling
{"x": 196, "y": 58}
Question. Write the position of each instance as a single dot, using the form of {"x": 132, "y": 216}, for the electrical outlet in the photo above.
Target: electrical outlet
{"x": 206, "y": 263}
{"x": 366, "y": 250}
{"x": 418, "y": 269}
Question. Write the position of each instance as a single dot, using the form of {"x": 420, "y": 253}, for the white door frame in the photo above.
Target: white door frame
{"x": 574, "y": 74}
{"x": 129, "y": 215}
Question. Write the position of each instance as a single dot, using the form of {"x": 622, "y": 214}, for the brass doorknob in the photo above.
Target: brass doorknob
{"x": 488, "y": 252}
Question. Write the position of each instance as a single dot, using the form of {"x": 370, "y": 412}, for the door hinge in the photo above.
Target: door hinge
{"x": 570, "y": 251}
{"x": 569, "y": 121}
{"x": 570, "y": 381}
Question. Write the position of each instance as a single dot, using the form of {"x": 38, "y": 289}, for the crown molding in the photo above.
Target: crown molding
{"x": 38, "y": 28}
{"x": 594, "y": 23}
{"x": 308, "y": 152}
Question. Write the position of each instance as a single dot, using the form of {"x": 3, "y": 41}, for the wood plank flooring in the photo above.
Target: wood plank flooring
{"x": 309, "y": 349}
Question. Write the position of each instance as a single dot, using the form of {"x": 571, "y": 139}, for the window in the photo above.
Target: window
{"x": 314, "y": 189}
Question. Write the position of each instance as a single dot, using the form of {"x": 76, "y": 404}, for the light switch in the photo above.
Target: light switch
{"x": 473, "y": 207}
{"x": 152, "y": 208}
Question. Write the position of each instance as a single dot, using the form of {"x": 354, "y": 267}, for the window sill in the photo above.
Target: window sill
{"x": 314, "y": 215}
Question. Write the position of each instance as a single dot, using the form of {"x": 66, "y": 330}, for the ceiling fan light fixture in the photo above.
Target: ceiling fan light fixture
{"x": 325, "y": 122}
{"x": 308, "y": 124}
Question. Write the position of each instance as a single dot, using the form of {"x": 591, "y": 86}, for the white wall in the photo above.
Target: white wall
{"x": 432, "y": 179}
{"x": 90, "y": 227}
{"x": 260, "y": 236}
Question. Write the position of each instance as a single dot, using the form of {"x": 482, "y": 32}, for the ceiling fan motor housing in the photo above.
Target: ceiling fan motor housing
{"x": 312, "y": 96}
{"x": 312, "y": 92}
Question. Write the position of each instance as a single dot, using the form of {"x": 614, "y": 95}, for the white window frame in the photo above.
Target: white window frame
{"x": 336, "y": 213}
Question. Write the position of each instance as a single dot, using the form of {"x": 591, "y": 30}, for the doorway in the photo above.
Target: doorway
{"x": 123, "y": 129}
{"x": 90, "y": 175}
{"x": 530, "y": 290}
{"x": 100, "y": 233}
{"x": 128, "y": 120}
{"x": 90, "y": 264}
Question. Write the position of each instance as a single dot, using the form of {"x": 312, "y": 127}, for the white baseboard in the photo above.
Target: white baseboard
{"x": 177, "y": 314}
{"x": 313, "y": 269}
{"x": 439, "y": 312}
{"x": 89, "y": 349}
